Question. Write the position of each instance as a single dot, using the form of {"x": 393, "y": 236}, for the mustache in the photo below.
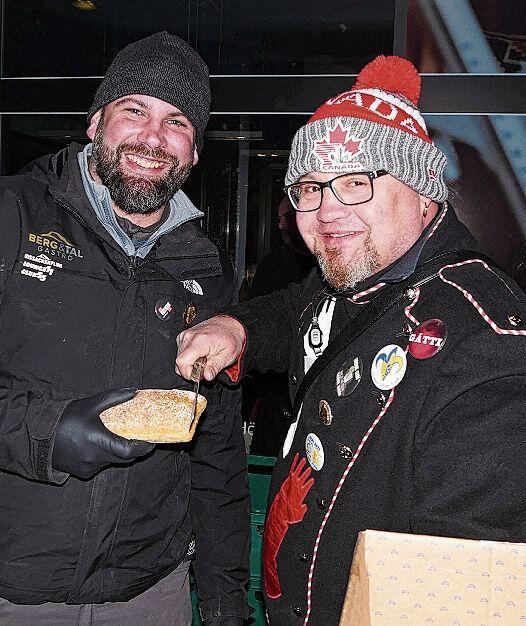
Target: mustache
{"x": 152, "y": 153}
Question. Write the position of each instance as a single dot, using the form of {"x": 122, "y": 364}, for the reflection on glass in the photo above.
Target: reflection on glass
{"x": 27, "y": 137}
{"x": 474, "y": 36}
{"x": 62, "y": 38}
{"x": 487, "y": 191}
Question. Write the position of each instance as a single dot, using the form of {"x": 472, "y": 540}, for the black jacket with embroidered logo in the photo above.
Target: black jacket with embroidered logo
{"x": 77, "y": 316}
{"x": 442, "y": 453}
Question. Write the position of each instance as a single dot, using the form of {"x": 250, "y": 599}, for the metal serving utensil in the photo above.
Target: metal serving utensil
{"x": 196, "y": 376}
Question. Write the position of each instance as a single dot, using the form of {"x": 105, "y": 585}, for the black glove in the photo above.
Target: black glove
{"x": 83, "y": 445}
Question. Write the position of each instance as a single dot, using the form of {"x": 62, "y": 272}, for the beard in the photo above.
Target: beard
{"x": 131, "y": 193}
{"x": 345, "y": 275}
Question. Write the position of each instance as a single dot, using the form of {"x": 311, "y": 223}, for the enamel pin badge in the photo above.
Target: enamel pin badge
{"x": 388, "y": 367}
{"x": 427, "y": 339}
{"x": 349, "y": 377}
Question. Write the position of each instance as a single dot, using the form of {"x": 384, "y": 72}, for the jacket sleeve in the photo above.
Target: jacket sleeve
{"x": 28, "y": 416}
{"x": 470, "y": 468}
{"x": 220, "y": 507}
{"x": 28, "y": 412}
{"x": 219, "y": 500}
{"x": 271, "y": 323}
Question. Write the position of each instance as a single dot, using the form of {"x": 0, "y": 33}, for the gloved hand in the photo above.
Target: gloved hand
{"x": 83, "y": 445}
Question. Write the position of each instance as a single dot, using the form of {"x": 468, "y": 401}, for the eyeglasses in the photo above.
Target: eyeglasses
{"x": 349, "y": 189}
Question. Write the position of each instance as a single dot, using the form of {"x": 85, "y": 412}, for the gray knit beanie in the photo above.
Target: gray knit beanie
{"x": 165, "y": 67}
{"x": 375, "y": 125}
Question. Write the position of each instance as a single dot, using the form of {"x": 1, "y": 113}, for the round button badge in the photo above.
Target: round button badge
{"x": 314, "y": 450}
{"x": 348, "y": 378}
{"x": 388, "y": 367}
{"x": 164, "y": 309}
{"x": 427, "y": 339}
{"x": 189, "y": 314}
{"x": 325, "y": 412}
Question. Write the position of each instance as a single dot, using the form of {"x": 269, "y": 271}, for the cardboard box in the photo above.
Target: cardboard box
{"x": 398, "y": 579}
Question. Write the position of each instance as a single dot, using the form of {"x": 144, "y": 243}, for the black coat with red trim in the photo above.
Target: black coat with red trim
{"x": 442, "y": 453}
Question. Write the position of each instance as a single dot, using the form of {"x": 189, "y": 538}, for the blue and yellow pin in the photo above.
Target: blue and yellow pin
{"x": 388, "y": 367}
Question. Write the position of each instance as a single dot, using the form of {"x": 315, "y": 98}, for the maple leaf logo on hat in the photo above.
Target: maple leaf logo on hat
{"x": 337, "y": 148}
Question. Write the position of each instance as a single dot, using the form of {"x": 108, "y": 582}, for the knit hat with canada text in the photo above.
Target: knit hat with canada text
{"x": 374, "y": 126}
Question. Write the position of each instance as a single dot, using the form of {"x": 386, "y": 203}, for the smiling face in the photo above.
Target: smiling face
{"x": 143, "y": 150}
{"x": 352, "y": 243}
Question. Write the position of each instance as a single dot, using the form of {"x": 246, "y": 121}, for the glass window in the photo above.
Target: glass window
{"x": 80, "y": 37}
{"x": 473, "y": 36}
{"x": 486, "y": 175}
{"x": 238, "y": 182}
{"x": 27, "y": 137}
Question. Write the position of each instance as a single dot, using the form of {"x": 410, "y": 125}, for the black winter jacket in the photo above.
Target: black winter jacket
{"x": 77, "y": 316}
{"x": 442, "y": 453}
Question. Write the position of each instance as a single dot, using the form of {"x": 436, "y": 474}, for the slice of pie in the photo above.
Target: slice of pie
{"x": 155, "y": 415}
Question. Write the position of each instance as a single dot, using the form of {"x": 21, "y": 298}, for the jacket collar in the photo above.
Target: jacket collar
{"x": 444, "y": 233}
{"x": 181, "y": 210}
{"x": 62, "y": 172}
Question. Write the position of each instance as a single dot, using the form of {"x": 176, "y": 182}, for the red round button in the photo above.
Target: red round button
{"x": 427, "y": 339}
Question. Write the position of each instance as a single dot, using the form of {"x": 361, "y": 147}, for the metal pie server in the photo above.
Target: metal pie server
{"x": 196, "y": 376}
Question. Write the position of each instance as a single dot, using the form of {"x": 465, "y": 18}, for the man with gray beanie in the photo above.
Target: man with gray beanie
{"x": 102, "y": 265}
{"x": 405, "y": 352}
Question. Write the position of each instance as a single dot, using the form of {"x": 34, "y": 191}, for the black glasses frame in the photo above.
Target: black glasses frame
{"x": 328, "y": 183}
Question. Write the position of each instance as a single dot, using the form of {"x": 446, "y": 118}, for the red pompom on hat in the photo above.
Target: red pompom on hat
{"x": 375, "y": 125}
{"x": 386, "y": 91}
{"x": 392, "y": 74}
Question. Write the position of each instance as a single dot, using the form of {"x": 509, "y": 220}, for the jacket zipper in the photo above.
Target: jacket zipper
{"x": 133, "y": 262}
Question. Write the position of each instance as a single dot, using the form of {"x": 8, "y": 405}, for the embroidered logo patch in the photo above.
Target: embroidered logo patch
{"x": 338, "y": 150}
{"x": 55, "y": 244}
{"x": 193, "y": 286}
{"x": 191, "y": 548}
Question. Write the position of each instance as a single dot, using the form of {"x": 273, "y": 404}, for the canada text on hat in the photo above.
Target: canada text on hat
{"x": 375, "y": 125}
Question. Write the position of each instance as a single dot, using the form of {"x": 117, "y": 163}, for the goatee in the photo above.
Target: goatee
{"x": 344, "y": 276}
{"x": 133, "y": 194}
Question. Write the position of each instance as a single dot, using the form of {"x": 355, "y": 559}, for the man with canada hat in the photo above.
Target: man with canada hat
{"x": 405, "y": 353}
{"x": 103, "y": 264}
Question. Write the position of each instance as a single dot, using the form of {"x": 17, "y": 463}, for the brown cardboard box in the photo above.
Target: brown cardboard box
{"x": 398, "y": 579}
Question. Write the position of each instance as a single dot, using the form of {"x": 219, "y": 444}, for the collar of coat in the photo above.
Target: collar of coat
{"x": 443, "y": 234}
{"x": 61, "y": 172}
